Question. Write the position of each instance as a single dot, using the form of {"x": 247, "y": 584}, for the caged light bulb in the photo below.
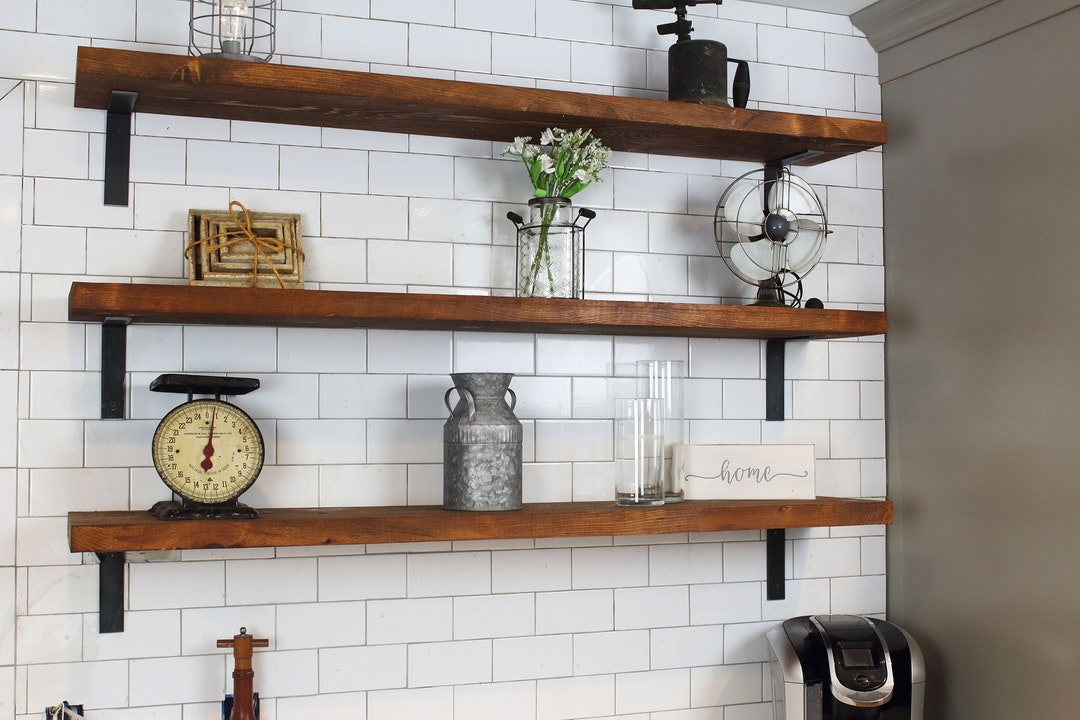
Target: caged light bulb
{"x": 233, "y": 14}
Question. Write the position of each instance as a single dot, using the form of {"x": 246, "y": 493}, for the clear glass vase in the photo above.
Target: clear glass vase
{"x": 549, "y": 251}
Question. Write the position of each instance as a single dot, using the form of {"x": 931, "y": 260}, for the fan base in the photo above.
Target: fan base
{"x": 769, "y": 297}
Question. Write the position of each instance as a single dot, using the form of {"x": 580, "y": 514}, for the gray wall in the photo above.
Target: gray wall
{"x": 982, "y": 236}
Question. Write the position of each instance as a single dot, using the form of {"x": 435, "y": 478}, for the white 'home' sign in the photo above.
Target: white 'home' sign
{"x": 746, "y": 472}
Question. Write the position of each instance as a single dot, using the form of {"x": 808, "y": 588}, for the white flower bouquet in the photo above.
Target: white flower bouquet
{"x": 562, "y": 165}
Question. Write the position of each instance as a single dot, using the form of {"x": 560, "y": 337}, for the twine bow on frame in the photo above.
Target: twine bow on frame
{"x": 264, "y": 246}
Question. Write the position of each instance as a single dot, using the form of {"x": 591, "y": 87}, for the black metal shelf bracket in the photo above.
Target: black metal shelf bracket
{"x": 111, "y": 592}
{"x": 113, "y": 367}
{"x": 774, "y": 349}
{"x": 118, "y": 146}
{"x": 775, "y": 542}
{"x": 774, "y": 380}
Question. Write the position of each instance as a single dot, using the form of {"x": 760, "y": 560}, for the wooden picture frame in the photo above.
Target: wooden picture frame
{"x": 234, "y": 264}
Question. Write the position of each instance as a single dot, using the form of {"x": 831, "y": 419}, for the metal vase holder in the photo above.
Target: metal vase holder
{"x": 550, "y": 257}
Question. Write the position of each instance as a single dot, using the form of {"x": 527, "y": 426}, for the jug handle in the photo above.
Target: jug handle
{"x": 513, "y": 399}
{"x": 469, "y": 401}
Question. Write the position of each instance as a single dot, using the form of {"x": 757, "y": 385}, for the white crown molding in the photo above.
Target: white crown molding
{"x": 888, "y": 23}
{"x": 978, "y": 23}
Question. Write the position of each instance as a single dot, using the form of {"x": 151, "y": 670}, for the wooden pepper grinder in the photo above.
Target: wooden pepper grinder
{"x": 243, "y": 675}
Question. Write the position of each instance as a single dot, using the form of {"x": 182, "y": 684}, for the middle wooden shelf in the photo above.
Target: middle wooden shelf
{"x": 203, "y": 305}
{"x": 115, "y": 305}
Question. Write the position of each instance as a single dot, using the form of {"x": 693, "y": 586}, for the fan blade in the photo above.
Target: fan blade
{"x": 793, "y": 193}
{"x": 742, "y": 214}
{"x": 753, "y": 261}
{"x": 808, "y": 236}
{"x": 805, "y": 250}
{"x": 806, "y": 244}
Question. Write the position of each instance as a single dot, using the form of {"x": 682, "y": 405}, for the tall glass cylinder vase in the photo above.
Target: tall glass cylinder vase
{"x": 663, "y": 379}
{"x": 550, "y": 249}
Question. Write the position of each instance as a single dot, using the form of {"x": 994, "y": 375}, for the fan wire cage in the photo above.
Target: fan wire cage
{"x": 770, "y": 228}
{"x": 233, "y": 29}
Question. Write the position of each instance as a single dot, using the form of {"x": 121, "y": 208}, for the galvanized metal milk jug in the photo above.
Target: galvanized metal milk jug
{"x": 481, "y": 444}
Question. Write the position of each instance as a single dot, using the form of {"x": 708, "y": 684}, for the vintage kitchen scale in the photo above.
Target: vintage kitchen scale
{"x": 207, "y": 451}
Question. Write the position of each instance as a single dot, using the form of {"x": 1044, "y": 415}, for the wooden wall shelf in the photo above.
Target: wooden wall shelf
{"x": 111, "y": 534}
{"x": 117, "y": 304}
{"x": 206, "y": 305}
{"x": 234, "y": 90}
{"x": 122, "y": 531}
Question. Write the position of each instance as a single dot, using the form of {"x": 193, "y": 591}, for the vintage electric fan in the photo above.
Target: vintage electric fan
{"x": 770, "y": 228}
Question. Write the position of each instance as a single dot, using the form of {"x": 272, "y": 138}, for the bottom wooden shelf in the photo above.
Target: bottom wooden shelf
{"x": 122, "y": 531}
{"x": 111, "y": 534}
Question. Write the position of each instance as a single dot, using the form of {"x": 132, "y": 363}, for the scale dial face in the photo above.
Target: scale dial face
{"x": 208, "y": 451}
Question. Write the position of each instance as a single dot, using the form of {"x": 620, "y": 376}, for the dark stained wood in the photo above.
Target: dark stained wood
{"x": 122, "y": 531}
{"x": 186, "y": 304}
{"x": 218, "y": 88}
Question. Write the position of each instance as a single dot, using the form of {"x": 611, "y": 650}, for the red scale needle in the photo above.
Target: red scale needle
{"x": 209, "y": 449}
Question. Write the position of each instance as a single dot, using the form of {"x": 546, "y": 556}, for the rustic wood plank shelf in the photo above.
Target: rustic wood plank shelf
{"x": 234, "y": 90}
{"x": 115, "y": 305}
{"x": 205, "y": 305}
{"x": 111, "y": 534}
{"x": 122, "y": 531}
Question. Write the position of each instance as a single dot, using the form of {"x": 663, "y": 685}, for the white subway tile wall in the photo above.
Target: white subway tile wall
{"x": 669, "y": 627}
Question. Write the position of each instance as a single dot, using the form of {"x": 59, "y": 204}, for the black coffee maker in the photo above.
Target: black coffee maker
{"x": 845, "y": 667}
{"x": 697, "y": 69}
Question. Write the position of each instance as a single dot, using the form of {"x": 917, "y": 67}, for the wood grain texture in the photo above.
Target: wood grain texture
{"x": 184, "y": 304}
{"x": 122, "y": 531}
{"x": 235, "y": 90}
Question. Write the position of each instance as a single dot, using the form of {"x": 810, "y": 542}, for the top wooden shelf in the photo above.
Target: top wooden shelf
{"x": 235, "y": 90}
{"x": 204, "y": 305}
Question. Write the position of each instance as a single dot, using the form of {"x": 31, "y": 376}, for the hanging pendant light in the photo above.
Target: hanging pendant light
{"x": 233, "y": 29}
